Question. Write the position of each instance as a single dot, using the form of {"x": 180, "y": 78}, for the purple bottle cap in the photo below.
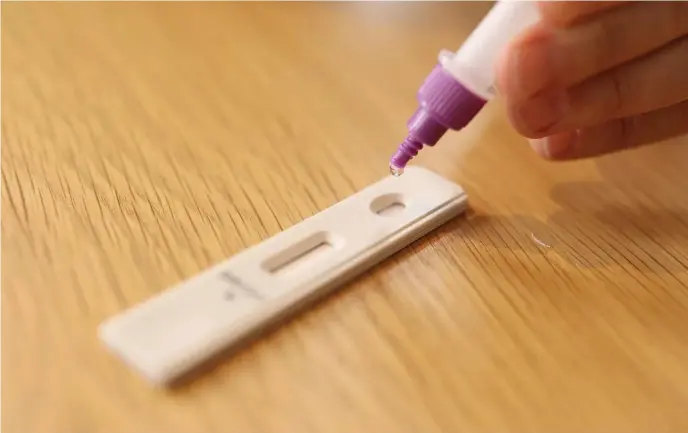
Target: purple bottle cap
{"x": 444, "y": 104}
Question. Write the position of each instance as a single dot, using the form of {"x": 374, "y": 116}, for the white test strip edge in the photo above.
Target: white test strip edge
{"x": 168, "y": 335}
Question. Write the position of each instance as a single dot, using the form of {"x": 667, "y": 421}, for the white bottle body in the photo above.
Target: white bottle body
{"x": 473, "y": 65}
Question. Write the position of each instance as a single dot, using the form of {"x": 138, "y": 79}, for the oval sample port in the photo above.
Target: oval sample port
{"x": 388, "y": 205}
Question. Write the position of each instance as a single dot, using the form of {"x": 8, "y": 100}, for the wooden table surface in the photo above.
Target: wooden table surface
{"x": 143, "y": 142}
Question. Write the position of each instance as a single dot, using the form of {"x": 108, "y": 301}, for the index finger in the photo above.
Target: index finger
{"x": 565, "y": 13}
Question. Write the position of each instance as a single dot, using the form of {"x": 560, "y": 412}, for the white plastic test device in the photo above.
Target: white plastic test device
{"x": 168, "y": 335}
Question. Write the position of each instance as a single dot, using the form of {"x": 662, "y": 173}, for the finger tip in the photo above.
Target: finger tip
{"x": 523, "y": 67}
{"x": 507, "y": 64}
{"x": 503, "y": 65}
{"x": 522, "y": 125}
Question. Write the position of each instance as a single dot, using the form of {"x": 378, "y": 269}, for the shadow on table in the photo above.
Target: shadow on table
{"x": 592, "y": 235}
{"x": 622, "y": 220}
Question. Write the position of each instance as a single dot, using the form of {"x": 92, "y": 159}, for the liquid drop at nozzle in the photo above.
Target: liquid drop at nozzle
{"x": 396, "y": 171}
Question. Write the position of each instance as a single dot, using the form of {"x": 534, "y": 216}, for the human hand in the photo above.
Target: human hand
{"x": 597, "y": 77}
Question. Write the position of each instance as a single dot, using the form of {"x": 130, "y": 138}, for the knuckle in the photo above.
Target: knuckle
{"x": 626, "y": 138}
{"x": 615, "y": 104}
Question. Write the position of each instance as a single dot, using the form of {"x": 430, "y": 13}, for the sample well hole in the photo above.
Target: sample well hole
{"x": 301, "y": 254}
{"x": 388, "y": 205}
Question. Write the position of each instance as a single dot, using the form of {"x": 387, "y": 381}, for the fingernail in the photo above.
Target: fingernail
{"x": 541, "y": 113}
{"x": 553, "y": 147}
{"x": 540, "y": 147}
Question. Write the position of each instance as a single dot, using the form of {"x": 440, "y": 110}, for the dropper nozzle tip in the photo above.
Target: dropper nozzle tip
{"x": 406, "y": 151}
{"x": 396, "y": 171}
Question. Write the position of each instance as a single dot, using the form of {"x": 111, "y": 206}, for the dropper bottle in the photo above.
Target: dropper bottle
{"x": 462, "y": 82}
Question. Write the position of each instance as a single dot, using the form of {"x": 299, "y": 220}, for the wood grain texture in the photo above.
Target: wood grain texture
{"x": 143, "y": 142}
